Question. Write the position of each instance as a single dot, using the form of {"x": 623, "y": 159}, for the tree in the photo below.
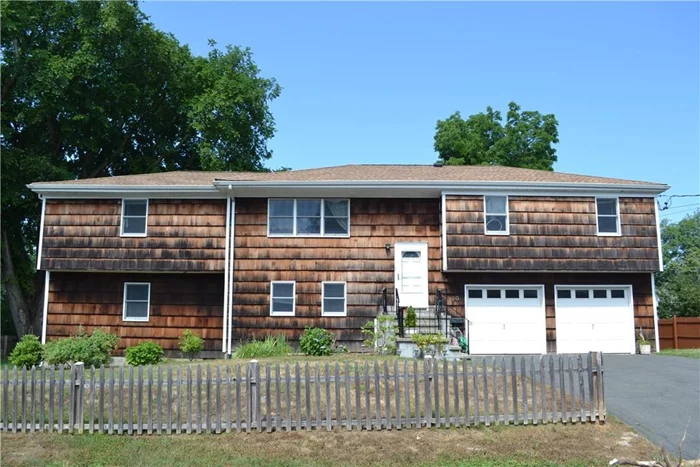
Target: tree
{"x": 92, "y": 89}
{"x": 678, "y": 286}
{"x": 526, "y": 139}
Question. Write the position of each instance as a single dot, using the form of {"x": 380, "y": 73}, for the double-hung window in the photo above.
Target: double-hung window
{"x": 496, "y": 215}
{"x": 282, "y": 298}
{"x": 134, "y": 217}
{"x": 137, "y": 301}
{"x": 308, "y": 217}
{"x": 333, "y": 299}
{"x": 608, "y": 216}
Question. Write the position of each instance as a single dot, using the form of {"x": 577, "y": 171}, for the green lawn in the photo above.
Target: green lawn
{"x": 547, "y": 445}
{"x": 690, "y": 353}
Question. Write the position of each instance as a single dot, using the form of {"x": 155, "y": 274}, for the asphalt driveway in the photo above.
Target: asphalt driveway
{"x": 656, "y": 395}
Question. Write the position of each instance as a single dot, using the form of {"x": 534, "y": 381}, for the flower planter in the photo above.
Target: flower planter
{"x": 645, "y": 349}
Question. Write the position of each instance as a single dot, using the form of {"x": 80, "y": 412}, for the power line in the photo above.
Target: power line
{"x": 670, "y": 214}
{"x": 682, "y": 206}
{"x": 667, "y": 204}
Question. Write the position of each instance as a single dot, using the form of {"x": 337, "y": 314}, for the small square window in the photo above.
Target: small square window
{"x": 530, "y": 293}
{"x": 282, "y": 298}
{"x": 493, "y": 293}
{"x": 563, "y": 293}
{"x": 512, "y": 293}
{"x": 334, "y": 299}
{"x": 582, "y": 293}
{"x": 598, "y": 293}
{"x": 134, "y": 217}
{"x": 617, "y": 293}
{"x": 475, "y": 293}
{"x": 137, "y": 297}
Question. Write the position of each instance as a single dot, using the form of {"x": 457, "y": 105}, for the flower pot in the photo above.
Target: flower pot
{"x": 645, "y": 349}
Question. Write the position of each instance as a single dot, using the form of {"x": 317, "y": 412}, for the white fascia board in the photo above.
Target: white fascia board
{"x": 449, "y": 187}
{"x": 66, "y": 191}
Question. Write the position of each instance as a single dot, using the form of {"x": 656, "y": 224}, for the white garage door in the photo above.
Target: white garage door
{"x": 599, "y": 319}
{"x": 506, "y": 319}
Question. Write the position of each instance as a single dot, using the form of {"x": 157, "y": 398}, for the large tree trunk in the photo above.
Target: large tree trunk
{"x": 24, "y": 309}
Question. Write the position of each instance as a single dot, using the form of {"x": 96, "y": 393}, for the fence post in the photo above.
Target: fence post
{"x": 76, "y": 403}
{"x": 254, "y": 393}
{"x": 675, "y": 333}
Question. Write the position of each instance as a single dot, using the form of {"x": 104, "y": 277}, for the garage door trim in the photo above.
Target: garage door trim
{"x": 628, "y": 290}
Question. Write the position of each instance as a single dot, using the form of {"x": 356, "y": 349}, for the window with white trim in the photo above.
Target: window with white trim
{"x": 608, "y": 216}
{"x": 308, "y": 217}
{"x": 137, "y": 301}
{"x": 134, "y": 217}
{"x": 333, "y": 299}
{"x": 282, "y": 298}
{"x": 496, "y": 215}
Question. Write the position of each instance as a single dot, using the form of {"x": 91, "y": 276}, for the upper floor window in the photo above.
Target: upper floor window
{"x": 134, "y": 216}
{"x": 608, "y": 216}
{"x": 496, "y": 215}
{"x": 137, "y": 301}
{"x": 308, "y": 217}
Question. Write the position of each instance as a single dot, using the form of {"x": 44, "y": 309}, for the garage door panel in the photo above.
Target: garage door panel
{"x": 505, "y": 325}
{"x": 604, "y": 321}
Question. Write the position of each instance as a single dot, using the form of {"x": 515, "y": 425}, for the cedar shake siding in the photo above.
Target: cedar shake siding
{"x": 642, "y": 298}
{"x": 177, "y": 302}
{"x": 183, "y": 235}
{"x": 362, "y": 261}
{"x": 551, "y": 234}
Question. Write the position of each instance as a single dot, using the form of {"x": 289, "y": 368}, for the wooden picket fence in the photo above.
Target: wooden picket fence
{"x": 254, "y": 397}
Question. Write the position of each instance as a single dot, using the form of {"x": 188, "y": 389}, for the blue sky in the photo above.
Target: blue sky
{"x": 366, "y": 82}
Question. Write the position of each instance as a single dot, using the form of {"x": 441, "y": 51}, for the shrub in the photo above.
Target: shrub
{"x": 146, "y": 353}
{"x": 191, "y": 344}
{"x": 94, "y": 350}
{"x": 27, "y": 352}
{"x": 381, "y": 337}
{"x": 411, "y": 318}
{"x": 270, "y": 347}
{"x": 317, "y": 342}
{"x": 430, "y": 344}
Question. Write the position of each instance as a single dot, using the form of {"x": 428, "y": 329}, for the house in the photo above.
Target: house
{"x": 537, "y": 261}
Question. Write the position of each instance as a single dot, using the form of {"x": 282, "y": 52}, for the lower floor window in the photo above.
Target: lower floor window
{"x": 334, "y": 299}
{"x": 282, "y": 298}
{"x": 137, "y": 298}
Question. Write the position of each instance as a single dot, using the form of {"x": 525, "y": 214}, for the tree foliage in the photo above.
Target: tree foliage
{"x": 93, "y": 89}
{"x": 525, "y": 140}
{"x": 678, "y": 286}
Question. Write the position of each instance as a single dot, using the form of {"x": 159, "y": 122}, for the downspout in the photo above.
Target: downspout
{"x": 231, "y": 272}
{"x": 47, "y": 280}
{"x": 224, "y": 335}
{"x": 656, "y": 312}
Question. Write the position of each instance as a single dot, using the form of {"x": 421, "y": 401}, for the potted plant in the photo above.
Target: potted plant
{"x": 411, "y": 320}
{"x": 643, "y": 343}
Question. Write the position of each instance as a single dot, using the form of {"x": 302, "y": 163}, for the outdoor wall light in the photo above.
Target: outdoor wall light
{"x": 388, "y": 247}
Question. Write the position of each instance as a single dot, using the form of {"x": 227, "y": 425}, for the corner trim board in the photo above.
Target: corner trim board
{"x": 443, "y": 226}
{"x": 658, "y": 235}
{"x": 41, "y": 234}
{"x": 226, "y": 276}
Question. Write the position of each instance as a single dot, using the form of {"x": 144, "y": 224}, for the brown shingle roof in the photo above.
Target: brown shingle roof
{"x": 367, "y": 173}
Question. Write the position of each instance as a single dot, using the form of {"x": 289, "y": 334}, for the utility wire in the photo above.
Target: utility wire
{"x": 667, "y": 204}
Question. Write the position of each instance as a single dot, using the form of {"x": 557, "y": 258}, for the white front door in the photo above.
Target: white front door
{"x": 594, "y": 318}
{"x": 411, "y": 274}
{"x": 506, "y": 319}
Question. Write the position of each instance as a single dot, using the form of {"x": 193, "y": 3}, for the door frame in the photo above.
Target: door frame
{"x": 542, "y": 308}
{"x": 628, "y": 287}
{"x": 400, "y": 247}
